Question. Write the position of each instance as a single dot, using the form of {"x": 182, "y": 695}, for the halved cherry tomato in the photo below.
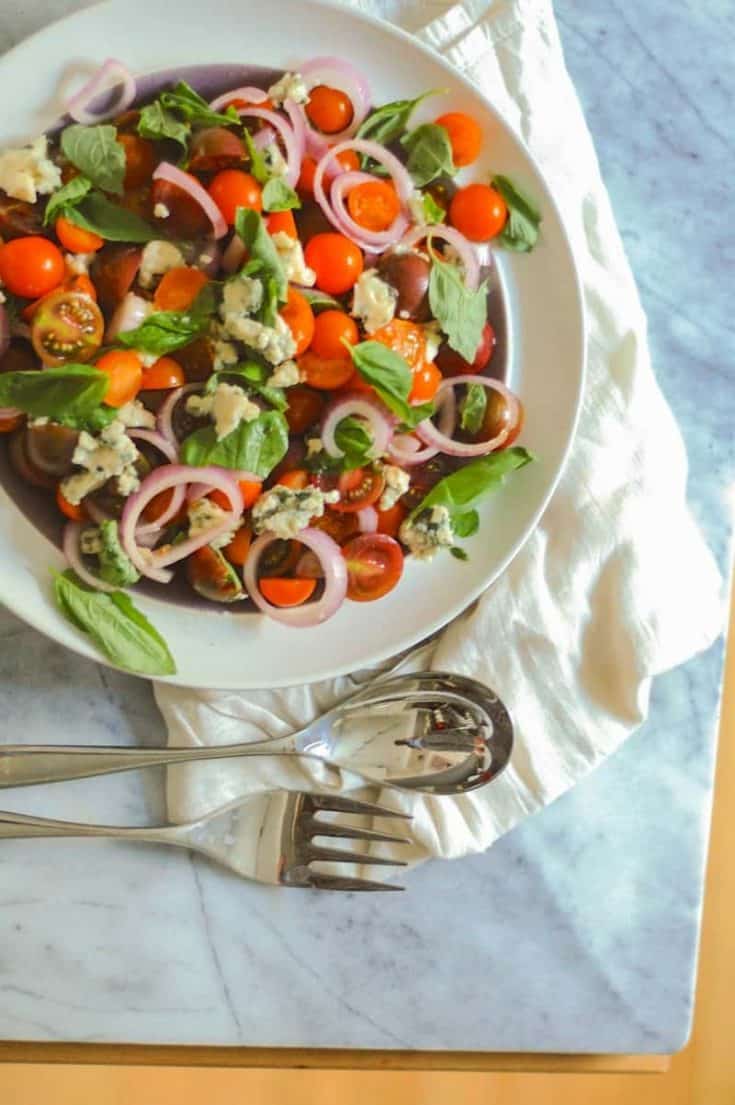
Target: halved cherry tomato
{"x": 359, "y": 488}
{"x": 249, "y": 489}
{"x": 186, "y": 217}
{"x": 74, "y": 511}
{"x": 140, "y": 160}
{"x": 340, "y": 527}
{"x": 281, "y": 222}
{"x": 164, "y": 373}
{"x": 465, "y": 135}
{"x": 299, "y": 317}
{"x": 212, "y": 576}
{"x": 113, "y": 272}
{"x": 280, "y": 557}
{"x": 326, "y": 375}
{"x": 297, "y": 479}
{"x": 126, "y": 374}
{"x": 357, "y": 383}
{"x": 374, "y": 205}
{"x": 426, "y": 380}
{"x": 478, "y": 211}
{"x": 389, "y": 521}
{"x": 75, "y": 238}
{"x": 81, "y": 283}
{"x": 304, "y": 408}
{"x": 497, "y": 417}
{"x": 179, "y": 288}
{"x": 451, "y": 364}
{"x": 67, "y": 326}
{"x": 305, "y": 183}
{"x": 232, "y": 188}
{"x": 329, "y": 109}
{"x": 10, "y": 422}
{"x": 239, "y": 547}
{"x": 31, "y": 267}
{"x": 374, "y": 566}
{"x": 405, "y": 338}
{"x": 239, "y": 103}
{"x": 153, "y": 510}
{"x": 336, "y": 261}
{"x": 349, "y": 161}
{"x": 287, "y": 592}
{"x": 215, "y": 148}
{"x": 331, "y": 329}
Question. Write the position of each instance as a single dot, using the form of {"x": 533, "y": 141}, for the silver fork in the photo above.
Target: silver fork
{"x": 280, "y": 839}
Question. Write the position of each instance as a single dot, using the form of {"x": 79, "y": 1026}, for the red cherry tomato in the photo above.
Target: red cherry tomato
{"x": 73, "y": 511}
{"x": 357, "y": 489}
{"x": 340, "y": 527}
{"x": 465, "y": 135}
{"x": 286, "y": 592}
{"x": 374, "y": 566}
{"x": 389, "y": 521}
{"x": 232, "y": 188}
{"x": 478, "y": 211}
{"x": 497, "y": 417}
{"x": 451, "y": 364}
{"x": 305, "y": 407}
{"x": 67, "y": 326}
{"x": 75, "y": 238}
{"x": 330, "y": 110}
{"x": 31, "y": 267}
{"x": 336, "y": 261}
{"x": 163, "y": 374}
{"x": 140, "y": 160}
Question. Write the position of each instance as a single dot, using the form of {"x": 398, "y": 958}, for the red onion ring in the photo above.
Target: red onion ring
{"x": 95, "y": 512}
{"x": 77, "y": 106}
{"x": 264, "y": 137}
{"x": 379, "y": 422}
{"x": 335, "y": 580}
{"x": 465, "y": 250}
{"x": 286, "y": 133}
{"x": 171, "y": 454}
{"x": 128, "y": 315}
{"x": 4, "y": 330}
{"x": 405, "y": 448}
{"x": 296, "y": 116}
{"x": 166, "y": 410}
{"x": 342, "y": 222}
{"x": 368, "y": 519}
{"x": 73, "y": 553}
{"x": 250, "y": 94}
{"x": 429, "y": 433}
{"x": 344, "y": 183}
{"x": 168, "y": 172}
{"x": 337, "y": 73}
{"x": 201, "y": 490}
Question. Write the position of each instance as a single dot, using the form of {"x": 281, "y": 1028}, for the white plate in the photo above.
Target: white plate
{"x": 219, "y": 649}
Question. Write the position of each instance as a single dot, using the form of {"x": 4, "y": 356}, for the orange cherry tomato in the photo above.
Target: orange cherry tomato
{"x": 10, "y": 422}
{"x": 329, "y": 109}
{"x": 126, "y": 375}
{"x": 239, "y": 547}
{"x": 299, "y": 317}
{"x": 163, "y": 373}
{"x": 281, "y": 222}
{"x": 160, "y": 503}
{"x": 304, "y": 408}
{"x": 331, "y": 329}
{"x": 426, "y": 380}
{"x": 297, "y": 479}
{"x": 82, "y": 284}
{"x": 374, "y": 205}
{"x": 478, "y": 211}
{"x": 249, "y": 489}
{"x": 465, "y": 135}
{"x": 179, "y": 288}
{"x": 232, "y": 188}
{"x": 286, "y": 592}
{"x": 326, "y": 375}
{"x": 239, "y": 103}
{"x": 405, "y": 338}
{"x": 31, "y": 267}
{"x": 357, "y": 383}
{"x": 336, "y": 261}
{"x": 305, "y": 183}
{"x": 74, "y": 511}
{"x": 389, "y": 521}
{"x": 140, "y": 160}
{"x": 349, "y": 161}
{"x": 75, "y": 238}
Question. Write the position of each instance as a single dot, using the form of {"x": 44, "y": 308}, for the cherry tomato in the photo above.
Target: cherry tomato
{"x": 305, "y": 407}
{"x": 163, "y": 374}
{"x": 73, "y": 511}
{"x": 389, "y": 521}
{"x": 305, "y": 183}
{"x": 329, "y": 109}
{"x": 405, "y": 338}
{"x": 465, "y": 135}
{"x": 113, "y": 271}
{"x": 31, "y": 267}
{"x": 67, "y": 326}
{"x": 160, "y": 503}
{"x": 178, "y": 289}
{"x": 478, "y": 211}
{"x": 249, "y": 489}
{"x": 239, "y": 547}
{"x": 349, "y": 161}
{"x": 126, "y": 375}
{"x": 374, "y": 205}
{"x": 186, "y": 218}
{"x": 140, "y": 160}
{"x": 81, "y": 283}
{"x": 497, "y": 417}
{"x": 232, "y": 188}
{"x": 297, "y": 479}
{"x": 215, "y": 148}
{"x": 357, "y": 383}
{"x": 426, "y": 380}
{"x": 212, "y": 577}
{"x": 326, "y": 375}
{"x": 299, "y": 317}
{"x": 340, "y": 527}
{"x": 359, "y": 488}
{"x": 279, "y": 557}
{"x": 451, "y": 364}
{"x": 336, "y": 261}
{"x": 281, "y": 222}
{"x": 374, "y": 566}
{"x": 75, "y": 238}
{"x": 287, "y": 592}
{"x": 10, "y": 422}
{"x": 331, "y": 330}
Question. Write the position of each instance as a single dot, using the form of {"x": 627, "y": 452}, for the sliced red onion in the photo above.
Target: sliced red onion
{"x": 96, "y": 512}
{"x": 166, "y": 410}
{"x": 432, "y": 435}
{"x": 316, "y": 143}
{"x": 465, "y": 250}
{"x": 341, "y": 186}
{"x": 337, "y": 73}
{"x": 285, "y": 131}
{"x": 72, "y": 552}
{"x": 168, "y": 172}
{"x": 335, "y": 580}
{"x": 380, "y": 424}
{"x": 201, "y": 490}
{"x": 171, "y": 453}
{"x": 368, "y": 520}
{"x": 405, "y": 449}
{"x": 234, "y": 254}
{"x": 128, "y": 315}
{"x": 158, "y": 441}
{"x": 248, "y": 93}
{"x": 78, "y": 105}
{"x": 264, "y": 137}
{"x": 4, "y": 330}
{"x": 296, "y": 116}
{"x": 336, "y": 215}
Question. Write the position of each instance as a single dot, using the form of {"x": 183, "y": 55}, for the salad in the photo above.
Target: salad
{"x": 245, "y": 343}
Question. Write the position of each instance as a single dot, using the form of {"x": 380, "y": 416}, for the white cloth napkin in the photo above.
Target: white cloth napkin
{"x": 614, "y": 586}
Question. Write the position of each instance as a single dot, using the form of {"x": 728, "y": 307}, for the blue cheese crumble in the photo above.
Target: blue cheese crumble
{"x": 430, "y": 531}
{"x": 227, "y": 406}
{"x": 396, "y": 484}
{"x": 291, "y": 86}
{"x": 27, "y": 173}
{"x": 204, "y": 515}
{"x": 373, "y": 301}
{"x": 284, "y": 512}
{"x": 112, "y": 454}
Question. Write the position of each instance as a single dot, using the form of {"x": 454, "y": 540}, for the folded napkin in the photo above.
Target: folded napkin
{"x": 614, "y": 586}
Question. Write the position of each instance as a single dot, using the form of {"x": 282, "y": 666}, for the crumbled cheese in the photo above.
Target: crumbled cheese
{"x": 160, "y": 211}
{"x": 227, "y": 406}
{"x": 224, "y": 354}
{"x": 78, "y": 263}
{"x": 428, "y": 533}
{"x": 277, "y": 163}
{"x": 417, "y": 209}
{"x": 158, "y": 259}
{"x": 291, "y": 254}
{"x": 285, "y": 512}
{"x": 396, "y": 484}
{"x": 90, "y": 542}
{"x": 205, "y": 515}
{"x": 276, "y": 343}
{"x": 110, "y": 454}
{"x": 241, "y": 296}
{"x": 291, "y": 86}
{"x": 314, "y": 445}
{"x": 434, "y": 338}
{"x": 285, "y": 376}
{"x": 27, "y": 173}
{"x": 373, "y": 301}
{"x": 135, "y": 415}
{"x": 205, "y": 259}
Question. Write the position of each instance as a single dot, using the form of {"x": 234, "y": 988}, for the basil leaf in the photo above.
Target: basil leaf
{"x": 157, "y": 123}
{"x": 96, "y": 152}
{"x": 320, "y": 301}
{"x": 194, "y": 109}
{"x": 460, "y": 489}
{"x": 114, "y": 223}
{"x": 165, "y": 331}
{"x": 72, "y": 193}
{"x": 391, "y": 377}
{"x": 256, "y": 446}
{"x": 472, "y": 409}
{"x": 355, "y": 442}
{"x": 278, "y": 196}
{"x": 116, "y": 567}
{"x": 461, "y": 313}
{"x": 251, "y": 229}
{"x": 70, "y": 393}
{"x": 429, "y": 153}
{"x": 432, "y": 212}
{"x": 253, "y": 376}
{"x": 466, "y": 524}
{"x": 118, "y": 629}
{"x": 520, "y": 232}
{"x": 258, "y": 164}
{"x": 458, "y": 554}
{"x": 387, "y": 123}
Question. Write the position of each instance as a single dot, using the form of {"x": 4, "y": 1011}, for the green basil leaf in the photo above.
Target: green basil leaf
{"x": 429, "y": 153}
{"x": 461, "y": 313}
{"x": 355, "y": 442}
{"x": 473, "y": 407}
{"x": 258, "y": 164}
{"x": 96, "y": 152}
{"x": 165, "y": 331}
{"x": 278, "y": 196}
{"x": 157, "y": 124}
{"x": 118, "y": 629}
{"x": 116, "y": 567}
{"x": 70, "y": 393}
{"x": 387, "y": 123}
{"x": 256, "y": 446}
{"x": 320, "y": 301}
{"x": 520, "y": 232}
{"x": 251, "y": 229}
{"x": 253, "y": 376}
{"x": 391, "y": 377}
{"x": 194, "y": 109}
{"x": 433, "y": 212}
{"x": 458, "y": 554}
{"x": 110, "y": 221}
{"x": 460, "y": 489}
{"x": 464, "y": 525}
{"x": 72, "y": 193}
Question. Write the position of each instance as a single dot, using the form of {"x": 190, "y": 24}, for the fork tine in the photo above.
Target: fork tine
{"x": 341, "y": 882}
{"x": 339, "y": 855}
{"x": 349, "y": 832}
{"x": 335, "y": 803}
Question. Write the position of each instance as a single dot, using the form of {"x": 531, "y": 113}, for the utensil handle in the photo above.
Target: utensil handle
{"x": 21, "y": 825}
